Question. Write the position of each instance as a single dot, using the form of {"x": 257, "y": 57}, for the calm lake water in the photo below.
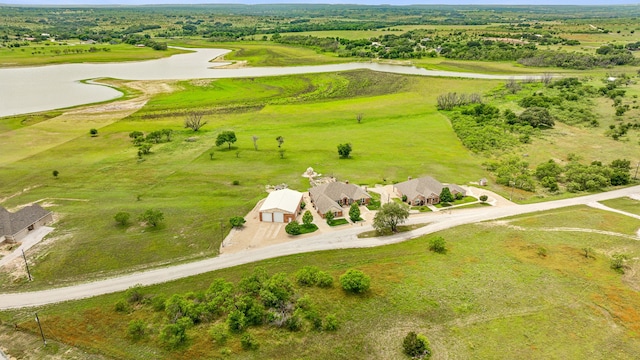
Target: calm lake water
{"x": 30, "y": 89}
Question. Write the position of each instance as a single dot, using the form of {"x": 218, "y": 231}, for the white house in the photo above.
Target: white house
{"x": 281, "y": 206}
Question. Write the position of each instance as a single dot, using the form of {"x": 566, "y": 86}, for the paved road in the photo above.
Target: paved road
{"x": 337, "y": 240}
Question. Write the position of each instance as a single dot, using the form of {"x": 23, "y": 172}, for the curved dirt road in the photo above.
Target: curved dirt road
{"x": 337, "y": 240}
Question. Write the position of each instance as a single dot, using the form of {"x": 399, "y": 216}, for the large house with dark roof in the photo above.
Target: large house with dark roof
{"x": 333, "y": 196}
{"x": 15, "y": 226}
{"x": 425, "y": 190}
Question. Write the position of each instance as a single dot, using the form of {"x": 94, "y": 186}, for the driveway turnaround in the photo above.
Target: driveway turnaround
{"x": 330, "y": 241}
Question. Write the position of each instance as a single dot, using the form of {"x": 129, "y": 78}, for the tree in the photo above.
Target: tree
{"x": 344, "y": 150}
{"x": 194, "y": 121}
{"x": 236, "y": 321}
{"x": 152, "y": 217}
{"x": 355, "y": 281}
{"x": 389, "y": 216}
{"x": 483, "y": 198}
{"x": 255, "y": 142}
{"x": 307, "y": 218}
{"x": 438, "y": 244}
{"x": 136, "y": 134}
{"x": 280, "y": 140}
{"x": 155, "y": 136}
{"x": 293, "y": 228}
{"x": 416, "y": 346}
{"x": 354, "y": 212}
{"x": 329, "y": 217}
{"x": 281, "y": 151}
{"x": 537, "y": 117}
{"x": 621, "y": 172}
{"x": 93, "y": 132}
{"x": 55, "y": 173}
{"x": 237, "y": 221}
{"x": 359, "y": 118}
{"x": 446, "y": 196}
{"x": 228, "y": 137}
{"x": 122, "y": 218}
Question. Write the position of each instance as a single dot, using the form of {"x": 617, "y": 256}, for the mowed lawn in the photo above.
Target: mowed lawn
{"x": 491, "y": 296}
{"x": 401, "y": 135}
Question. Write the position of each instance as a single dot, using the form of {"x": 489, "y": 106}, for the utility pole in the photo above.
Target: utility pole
{"x": 41, "y": 333}
{"x": 27, "y": 266}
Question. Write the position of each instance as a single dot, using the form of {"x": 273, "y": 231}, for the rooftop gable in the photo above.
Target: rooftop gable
{"x": 13, "y": 223}
{"x": 286, "y": 200}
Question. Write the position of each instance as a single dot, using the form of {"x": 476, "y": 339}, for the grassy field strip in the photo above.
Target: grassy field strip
{"x": 626, "y": 204}
{"x": 28, "y": 141}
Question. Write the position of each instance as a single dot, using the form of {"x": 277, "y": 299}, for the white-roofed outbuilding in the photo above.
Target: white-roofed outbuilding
{"x": 281, "y": 206}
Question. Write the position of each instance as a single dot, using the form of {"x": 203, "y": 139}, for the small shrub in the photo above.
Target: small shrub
{"x": 324, "y": 280}
{"x": 158, "y": 303}
{"x": 236, "y": 321}
{"x": 617, "y": 262}
{"x": 174, "y": 335}
{"x": 355, "y": 281}
{"x": 55, "y": 173}
{"x": 236, "y": 182}
{"x": 292, "y": 228}
{"x": 249, "y": 342}
{"x": 219, "y": 334}
{"x": 134, "y": 294}
{"x": 483, "y": 198}
{"x": 416, "y": 346}
{"x": 294, "y": 322}
{"x": 304, "y": 303}
{"x": 307, "y": 276}
{"x": 237, "y": 221}
{"x": 122, "y": 306}
{"x": 588, "y": 253}
{"x": 136, "y": 329}
{"x": 542, "y": 251}
{"x": 438, "y": 244}
{"x": 93, "y": 132}
{"x": 331, "y": 323}
{"x": 122, "y": 218}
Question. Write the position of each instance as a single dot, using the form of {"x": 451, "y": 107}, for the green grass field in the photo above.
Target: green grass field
{"x": 625, "y": 204}
{"x": 491, "y": 296}
{"x": 100, "y": 176}
{"x": 401, "y": 135}
{"x": 46, "y": 54}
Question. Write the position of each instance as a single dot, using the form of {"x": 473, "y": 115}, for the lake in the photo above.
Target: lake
{"x": 31, "y": 89}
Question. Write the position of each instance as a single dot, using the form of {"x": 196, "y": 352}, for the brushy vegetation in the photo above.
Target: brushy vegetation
{"x": 491, "y": 278}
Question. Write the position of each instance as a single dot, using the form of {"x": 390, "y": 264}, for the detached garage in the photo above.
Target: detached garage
{"x": 281, "y": 206}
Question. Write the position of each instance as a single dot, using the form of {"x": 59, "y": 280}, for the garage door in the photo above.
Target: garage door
{"x": 278, "y": 217}
{"x": 267, "y": 217}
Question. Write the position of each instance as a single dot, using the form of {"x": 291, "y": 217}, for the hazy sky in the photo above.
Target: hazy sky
{"x": 371, "y": 2}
